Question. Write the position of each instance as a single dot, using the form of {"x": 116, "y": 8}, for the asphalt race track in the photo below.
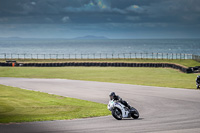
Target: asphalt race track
{"x": 162, "y": 110}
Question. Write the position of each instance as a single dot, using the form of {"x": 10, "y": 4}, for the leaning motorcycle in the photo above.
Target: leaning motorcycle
{"x": 120, "y": 111}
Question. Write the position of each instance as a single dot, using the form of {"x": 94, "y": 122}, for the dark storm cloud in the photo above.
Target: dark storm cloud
{"x": 126, "y": 15}
{"x": 46, "y": 11}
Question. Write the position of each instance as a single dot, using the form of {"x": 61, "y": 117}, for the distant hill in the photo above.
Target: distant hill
{"x": 90, "y": 37}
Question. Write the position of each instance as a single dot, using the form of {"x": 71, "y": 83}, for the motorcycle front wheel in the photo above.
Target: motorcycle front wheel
{"x": 117, "y": 114}
{"x": 135, "y": 114}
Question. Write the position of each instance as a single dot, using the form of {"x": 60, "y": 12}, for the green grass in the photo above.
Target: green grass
{"x": 187, "y": 63}
{"x": 162, "y": 77}
{"x": 18, "y": 105}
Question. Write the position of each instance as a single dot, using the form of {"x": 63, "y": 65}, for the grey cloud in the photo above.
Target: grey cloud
{"x": 49, "y": 20}
{"x": 133, "y": 18}
{"x": 65, "y": 19}
{"x": 135, "y": 8}
{"x": 100, "y": 16}
{"x": 171, "y": 9}
{"x": 116, "y": 10}
{"x": 95, "y": 6}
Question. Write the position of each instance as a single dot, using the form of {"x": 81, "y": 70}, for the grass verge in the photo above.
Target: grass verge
{"x": 162, "y": 77}
{"x": 18, "y": 105}
{"x": 187, "y": 63}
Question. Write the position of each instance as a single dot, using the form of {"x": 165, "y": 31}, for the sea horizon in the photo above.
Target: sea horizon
{"x": 104, "y": 46}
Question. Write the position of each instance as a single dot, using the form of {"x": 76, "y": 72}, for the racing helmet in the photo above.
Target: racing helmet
{"x": 112, "y": 94}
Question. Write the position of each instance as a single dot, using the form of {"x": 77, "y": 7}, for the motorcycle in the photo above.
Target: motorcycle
{"x": 120, "y": 111}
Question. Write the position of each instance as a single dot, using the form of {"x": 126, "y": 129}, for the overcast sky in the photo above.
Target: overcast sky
{"x": 110, "y": 18}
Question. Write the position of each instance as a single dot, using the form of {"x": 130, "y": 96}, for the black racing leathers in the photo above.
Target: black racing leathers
{"x": 119, "y": 99}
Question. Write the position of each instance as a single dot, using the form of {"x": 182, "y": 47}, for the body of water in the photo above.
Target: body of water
{"x": 62, "y": 46}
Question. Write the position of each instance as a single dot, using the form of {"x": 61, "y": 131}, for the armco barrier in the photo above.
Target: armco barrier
{"x": 105, "y": 64}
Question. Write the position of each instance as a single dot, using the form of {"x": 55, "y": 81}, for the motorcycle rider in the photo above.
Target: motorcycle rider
{"x": 198, "y": 81}
{"x": 117, "y": 98}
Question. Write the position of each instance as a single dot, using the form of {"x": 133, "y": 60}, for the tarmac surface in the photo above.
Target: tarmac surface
{"x": 161, "y": 109}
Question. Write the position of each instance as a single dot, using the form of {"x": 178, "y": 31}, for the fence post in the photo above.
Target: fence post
{"x": 199, "y": 58}
{"x": 156, "y": 56}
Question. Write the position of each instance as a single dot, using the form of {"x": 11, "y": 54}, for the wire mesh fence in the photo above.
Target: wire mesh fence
{"x": 196, "y": 57}
{"x": 101, "y": 56}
